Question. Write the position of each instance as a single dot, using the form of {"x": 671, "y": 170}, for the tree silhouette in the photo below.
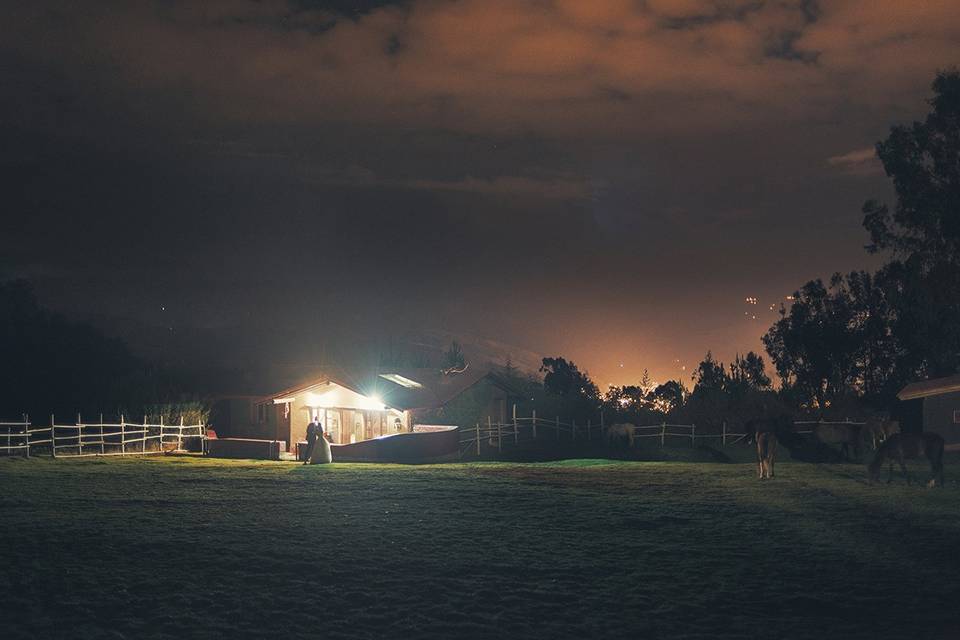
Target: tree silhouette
{"x": 579, "y": 396}
{"x": 871, "y": 333}
{"x": 453, "y": 358}
{"x": 923, "y": 160}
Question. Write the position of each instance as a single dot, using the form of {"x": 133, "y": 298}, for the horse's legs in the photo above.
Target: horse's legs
{"x": 936, "y": 468}
{"x": 903, "y": 467}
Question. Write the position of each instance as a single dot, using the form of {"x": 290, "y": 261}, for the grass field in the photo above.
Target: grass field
{"x": 180, "y": 547}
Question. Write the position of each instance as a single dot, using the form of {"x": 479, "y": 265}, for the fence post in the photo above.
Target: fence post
{"x": 79, "y": 436}
{"x": 663, "y": 433}
{"x": 534, "y": 424}
{"x": 53, "y": 437}
{"x": 516, "y": 427}
{"x": 693, "y": 436}
{"x": 499, "y": 433}
{"x": 143, "y": 443}
{"x": 102, "y": 450}
{"x": 478, "y": 438}
{"x": 123, "y": 436}
{"x": 179, "y": 434}
{"x": 26, "y": 434}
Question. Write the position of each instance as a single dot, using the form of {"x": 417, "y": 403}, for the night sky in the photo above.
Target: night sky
{"x": 258, "y": 184}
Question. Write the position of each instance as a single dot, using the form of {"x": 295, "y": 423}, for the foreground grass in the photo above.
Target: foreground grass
{"x": 211, "y": 548}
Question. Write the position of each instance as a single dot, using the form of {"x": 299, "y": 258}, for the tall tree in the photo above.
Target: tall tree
{"x": 453, "y": 358}
{"x": 811, "y": 345}
{"x": 668, "y": 396}
{"x": 871, "y": 333}
{"x": 923, "y": 160}
{"x": 749, "y": 373}
{"x": 922, "y": 235}
{"x": 710, "y": 375}
{"x": 579, "y": 396}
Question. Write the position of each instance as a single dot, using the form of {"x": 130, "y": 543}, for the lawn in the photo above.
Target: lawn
{"x": 180, "y": 547}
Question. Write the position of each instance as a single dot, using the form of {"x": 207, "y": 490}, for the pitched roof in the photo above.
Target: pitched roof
{"x": 932, "y": 387}
{"x": 433, "y": 388}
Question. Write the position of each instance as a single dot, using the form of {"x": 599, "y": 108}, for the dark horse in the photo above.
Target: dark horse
{"x": 907, "y": 446}
{"x": 764, "y": 431}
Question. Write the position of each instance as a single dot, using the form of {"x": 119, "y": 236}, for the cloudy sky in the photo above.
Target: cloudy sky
{"x": 607, "y": 180}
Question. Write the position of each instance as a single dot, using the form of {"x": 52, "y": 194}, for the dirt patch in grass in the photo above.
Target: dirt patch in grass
{"x": 584, "y": 548}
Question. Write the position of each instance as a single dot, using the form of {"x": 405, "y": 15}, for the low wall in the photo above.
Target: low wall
{"x": 245, "y": 448}
{"x": 421, "y": 447}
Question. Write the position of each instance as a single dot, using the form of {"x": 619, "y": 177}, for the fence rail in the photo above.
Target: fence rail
{"x": 86, "y": 439}
{"x": 492, "y": 435}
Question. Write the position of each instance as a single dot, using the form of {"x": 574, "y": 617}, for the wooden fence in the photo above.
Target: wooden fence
{"x": 519, "y": 429}
{"x": 121, "y": 438}
{"x": 524, "y": 429}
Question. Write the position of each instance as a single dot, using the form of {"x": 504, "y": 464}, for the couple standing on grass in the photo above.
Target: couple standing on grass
{"x": 318, "y": 449}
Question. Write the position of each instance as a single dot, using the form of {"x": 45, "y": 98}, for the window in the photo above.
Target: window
{"x": 331, "y": 425}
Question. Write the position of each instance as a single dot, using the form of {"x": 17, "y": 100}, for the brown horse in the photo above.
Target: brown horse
{"x": 620, "y": 434}
{"x": 764, "y": 431}
{"x": 847, "y": 435}
{"x": 766, "y": 453}
{"x": 908, "y": 446}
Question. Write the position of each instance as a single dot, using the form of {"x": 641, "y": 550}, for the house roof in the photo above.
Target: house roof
{"x": 932, "y": 387}
{"x": 433, "y": 388}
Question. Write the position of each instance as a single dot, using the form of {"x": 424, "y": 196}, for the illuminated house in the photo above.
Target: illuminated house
{"x": 356, "y": 407}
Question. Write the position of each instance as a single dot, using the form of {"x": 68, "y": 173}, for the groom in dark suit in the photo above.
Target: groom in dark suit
{"x": 314, "y": 433}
